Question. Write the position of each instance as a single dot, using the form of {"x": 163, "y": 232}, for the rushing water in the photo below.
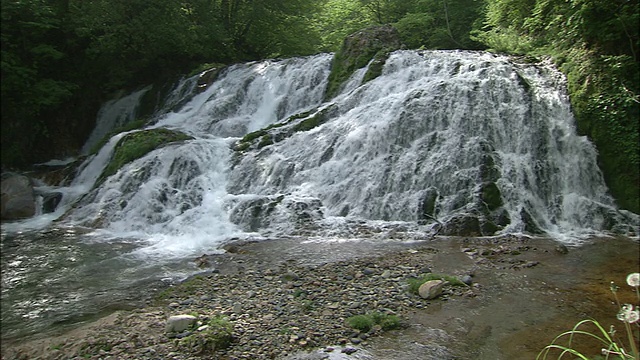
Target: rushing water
{"x": 427, "y": 139}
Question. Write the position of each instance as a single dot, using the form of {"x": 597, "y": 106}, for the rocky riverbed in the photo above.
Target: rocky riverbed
{"x": 290, "y": 299}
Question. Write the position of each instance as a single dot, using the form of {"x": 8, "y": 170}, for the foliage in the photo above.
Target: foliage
{"x": 336, "y": 19}
{"x": 62, "y": 59}
{"x": 31, "y": 52}
{"x": 440, "y": 24}
{"x": 362, "y": 323}
{"x": 135, "y": 145}
{"x": 366, "y": 322}
{"x": 415, "y": 283}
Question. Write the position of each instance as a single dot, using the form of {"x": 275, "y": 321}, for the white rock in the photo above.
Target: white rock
{"x": 431, "y": 289}
{"x": 179, "y": 323}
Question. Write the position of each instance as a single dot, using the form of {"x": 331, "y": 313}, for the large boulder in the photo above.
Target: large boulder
{"x": 18, "y": 198}
{"x": 373, "y": 43}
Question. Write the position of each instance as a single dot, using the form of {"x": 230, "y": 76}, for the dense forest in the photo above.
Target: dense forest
{"x": 62, "y": 58}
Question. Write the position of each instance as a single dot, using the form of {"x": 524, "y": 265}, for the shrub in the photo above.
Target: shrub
{"x": 365, "y": 323}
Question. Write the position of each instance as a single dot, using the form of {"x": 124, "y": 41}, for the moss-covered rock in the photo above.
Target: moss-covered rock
{"x": 356, "y": 52}
{"x": 137, "y": 144}
{"x": 274, "y": 133}
{"x": 491, "y": 196}
{"x": 215, "y": 335}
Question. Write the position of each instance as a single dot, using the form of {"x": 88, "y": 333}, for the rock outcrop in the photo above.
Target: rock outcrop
{"x": 18, "y": 198}
{"x": 373, "y": 43}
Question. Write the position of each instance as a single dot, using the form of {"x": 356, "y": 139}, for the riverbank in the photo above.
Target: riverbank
{"x": 289, "y": 296}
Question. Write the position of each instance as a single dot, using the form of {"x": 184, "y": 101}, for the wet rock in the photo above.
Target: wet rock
{"x": 462, "y": 225}
{"x": 466, "y": 279}
{"x": 431, "y": 289}
{"x": 349, "y": 350}
{"x": 561, "y": 249}
{"x": 50, "y": 201}
{"x": 530, "y": 225}
{"x": 18, "y": 198}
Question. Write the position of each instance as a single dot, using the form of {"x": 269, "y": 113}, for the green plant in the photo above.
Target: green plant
{"x": 364, "y": 323}
{"x": 386, "y": 321}
{"x": 612, "y": 346}
{"x": 415, "y": 283}
{"x": 306, "y": 305}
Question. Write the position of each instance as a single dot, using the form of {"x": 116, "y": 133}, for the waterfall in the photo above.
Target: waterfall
{"x": 475, "y": 140}
{"x": 113, "y": 114}
{"x": 436, "y": 133}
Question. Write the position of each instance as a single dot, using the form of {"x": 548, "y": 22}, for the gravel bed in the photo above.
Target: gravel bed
{"x": 277, "y": 310}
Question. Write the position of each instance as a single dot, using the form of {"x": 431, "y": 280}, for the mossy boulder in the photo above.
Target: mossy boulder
{"x": 137, "y": 144}
{"x": 215, "y": 335}
{"x": 356, "y": 52}
{"x": 491, "y": 196}
{"x": 277, "y": 132}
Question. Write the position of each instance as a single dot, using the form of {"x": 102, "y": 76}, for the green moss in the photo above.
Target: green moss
{"x": 342, "y": 68}
{"x": 265, "y": 141}
{"x": 253, "y": 135}
{"x": 242, "y": 146}
{"x": 366, "y": 322}
{"x": 601, "y": 89}
{"x": 491, "y": 195}
{"x": 132, "y": 125}
{"x": 415, "y": 283}
{"x": 318, "y": 119}
{"x": 362, "y": 323}
{"x": 135, "y": 145}
{"x": 217, "y": 336}
{"x": 308, "y": 124}
{"x": 376, "y": 66}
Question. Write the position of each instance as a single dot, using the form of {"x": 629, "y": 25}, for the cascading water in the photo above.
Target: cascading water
{"x": 438, "y": 133}
{"x": 475, "y": 140}
{"x": 113, "y": 114}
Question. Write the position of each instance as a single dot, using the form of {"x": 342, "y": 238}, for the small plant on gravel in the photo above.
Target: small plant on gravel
{"x": 415, "y": 283}
{"x": 366, "y": 322}
{"x": 362, "y": 323}
{"x": 386, "y": 321}
{"x": 613, "y": 346}
{"x": 306, "y": 305}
